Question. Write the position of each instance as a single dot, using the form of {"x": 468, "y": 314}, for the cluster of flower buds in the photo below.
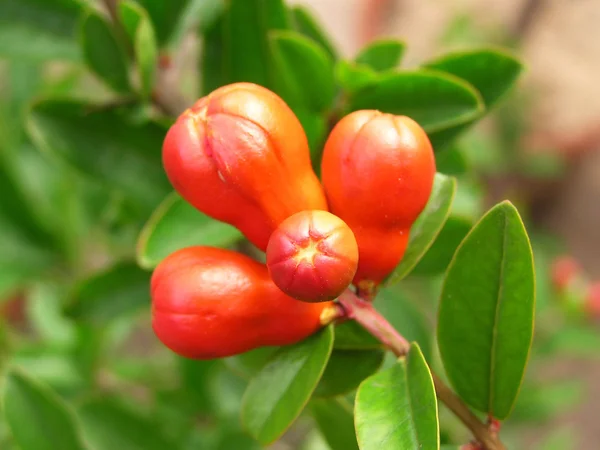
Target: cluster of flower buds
{"x": 240, "y": 155}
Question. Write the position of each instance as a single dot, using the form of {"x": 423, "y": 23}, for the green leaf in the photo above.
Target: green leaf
{"x": 405, "y": 317}
{"x": 382, "y": 55}
{"x": 451, "y": 161}
{"x": 335, "y": 421}
{"x": 306, "y": 24}
{"x": 439, "y": 255}
{"x": 353, "y": 77}
{"x": 215, "y": 55}
{"x": 146, "y": 53}
{"x": 39, "y": 30}
{"x": 103, "y": 53}
{"x": 106, "y": 145}
{"x": 174, "y": 225}
{"x": 346, "y": 369}
{"x": 123, "y": 289}
{"x": 108, "y": 425}
{"x": 436, "y": 101}
{"x": 485, "y": 325}
{"x": 427, "y": 226}
{"x": 492, "y": 72}
{"x": 299, "y": 59}
{"x": 352, "y": 336}
{"x": 142, "y": 35}
{"x": 166, "y": 16}
{"x": 37, "y": 417}
{"x": 247, "y": 23}
{"x": 278, "y": 394}
{"x": 397, "y": 408}
{"x": 248, "y": 364}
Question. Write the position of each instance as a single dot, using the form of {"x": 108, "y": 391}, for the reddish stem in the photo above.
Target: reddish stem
{"x": 366, "y": 315}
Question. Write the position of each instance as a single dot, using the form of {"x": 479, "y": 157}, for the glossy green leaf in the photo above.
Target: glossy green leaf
{"x": 176, "y": 224}
{"x": 37, "y": 417}
{"x": 123, "y": 289}
{"x": 247, "y": 24}
{"x": 397, "y": 408}
{"x": 435, "y": 100}
{"x": 353, "y": 77}
{"x": 108, "y": 425}
{"x": 485, "y": 325}
{"x": 427, "y": 226}
{"x": 439, "y": 255}
{"x": 381, "y": 55}
{"x": 492, "y": 72}
{"x": 142, "y": 35}
{"x": 352, "y": 336}
{"x": 279, "y": 393}
{"x": 306, "y": 24}
{"x": 214, "y": 67}
{"x": 346, "y": 369}
{"x": 248, "y": 364}
{"x": 401, "y": 312}
{"x": 334, "y": 418}
{"x": 451, "y": 161}
{"x": 103, "y": 53}
{"x": 299, "y": 59}
{"x": 105, "y": 144}
{"x": 146, "y": 54}
{"x": 39, "y": 30}
{"x": 166, "y": 16}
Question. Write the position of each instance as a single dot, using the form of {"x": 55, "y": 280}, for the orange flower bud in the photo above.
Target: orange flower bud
{"x": 378, "y": 172}
{"x": 312, "y": 256}
{"x": 241, "y": 156}
{"x": 211, "y": 303}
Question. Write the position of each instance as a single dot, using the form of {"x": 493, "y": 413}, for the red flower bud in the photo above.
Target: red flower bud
{"x": 240, "y": 155}
{"x": 211, "y": 303}
{"x": 312, "y": 256}
{"x": 378, "y": 172}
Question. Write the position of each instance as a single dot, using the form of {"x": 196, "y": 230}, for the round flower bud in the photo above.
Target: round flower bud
{"x": 312, "y": 256}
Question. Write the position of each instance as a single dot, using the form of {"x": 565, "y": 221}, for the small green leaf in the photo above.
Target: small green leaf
{"x": 451, "y": 161}
{"x": 174, "y": 225}
{"x": 166, "y": 16}
{"x": 315, "y": 127}
{"x": 299, "y": 59}
{"x": 215, "y": 54}
{"x": 351, "y": 336}
{"x": 381, "y": 55}
{"x": 427, "y": 226}
{"x": 103, "y": 52}
{"x": 306, "y": 24}
{"x": 105, "y": 144}
{"x": 121, "y": 290}
{"x": 435, "y": 100}
{"x": 346, "y": 369}
{"x": 247, "y": 23}
{"x": 397, "y": 408}
{"x": 37, "y": 417}
{"x": 108, "y": 425}
{"x": 248, "y": 364}
{"x": 39, "y": 30}
{"x": 278, "y": 394}
{"x": 439, "y": 255}
{"x": 485, "y": 325}
{"x": 146, "y": 54}
{"x": 336, "y": 423}
{"x": 405, "y": 317}
{"x": 492, "y": 72}
{"x": 353, "y": 77}
{"x": 142, "y": 35}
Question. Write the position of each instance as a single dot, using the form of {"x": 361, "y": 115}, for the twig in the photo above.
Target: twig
{"x": 366, "y": 315}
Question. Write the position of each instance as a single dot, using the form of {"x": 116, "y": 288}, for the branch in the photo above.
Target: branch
{"x": 366, "y": 315}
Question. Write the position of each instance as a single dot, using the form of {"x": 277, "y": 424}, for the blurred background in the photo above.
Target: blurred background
{"x": 74, "y": 300}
